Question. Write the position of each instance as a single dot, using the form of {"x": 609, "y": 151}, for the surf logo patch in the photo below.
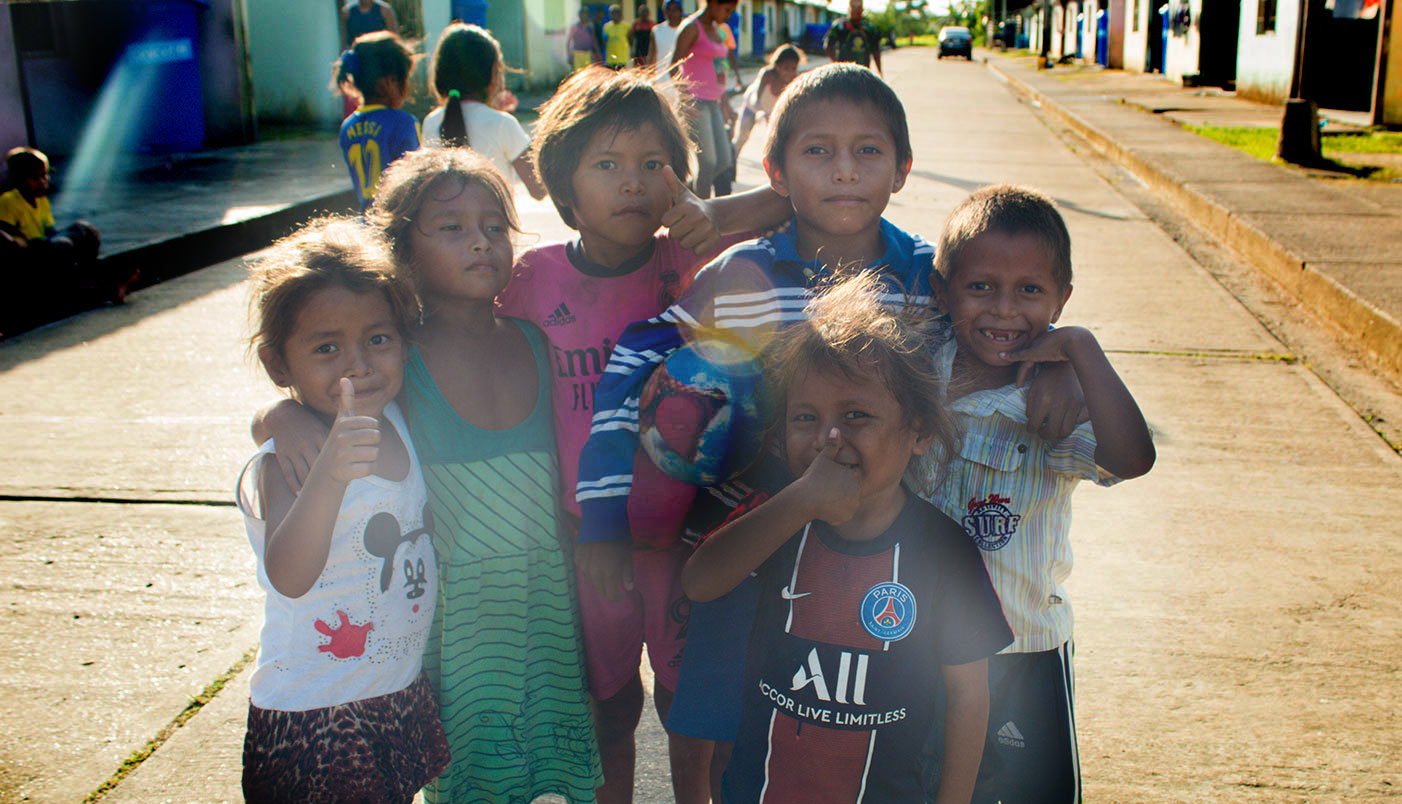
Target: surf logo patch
{"x": 888, "y": 611}
{"x": 989, "y": 522}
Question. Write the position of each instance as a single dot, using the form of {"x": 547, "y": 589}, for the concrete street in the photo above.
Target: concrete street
{"x": 1239, "y": 610}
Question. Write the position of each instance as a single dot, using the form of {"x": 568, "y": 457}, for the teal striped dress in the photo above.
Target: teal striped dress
{"x": 505, "y": 651}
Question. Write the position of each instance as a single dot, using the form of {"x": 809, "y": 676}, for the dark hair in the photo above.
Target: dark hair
{"x": 597, "y": 99}
{"x": 844, "y": 81}
{"x": 372, "y": 58}
{"x": 465, "y": 64}
{"x": 24, "y": 163}
{"x": 786, "y": 53}
{"x": 1009, "y": 209}
{"x": 406, "y": 183}
{"x": 330, "y": 252}
{"x": 849, "y": 332}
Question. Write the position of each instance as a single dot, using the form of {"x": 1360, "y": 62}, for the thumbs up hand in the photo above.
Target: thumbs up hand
{"x": 353, "y": 447}
{"x": 690, "y": 221}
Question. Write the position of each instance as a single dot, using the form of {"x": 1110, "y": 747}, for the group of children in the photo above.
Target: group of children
{"x": 464, "y": 549}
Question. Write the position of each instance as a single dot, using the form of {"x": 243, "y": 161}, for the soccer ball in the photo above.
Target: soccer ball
{"x": 699, "y": 413}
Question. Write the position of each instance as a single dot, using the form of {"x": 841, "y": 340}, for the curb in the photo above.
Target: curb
{"x": 189, "y": 251}
{"x": 1375, "y": 331}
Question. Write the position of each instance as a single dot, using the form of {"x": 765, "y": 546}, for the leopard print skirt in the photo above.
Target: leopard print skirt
{"x": 376, "y": 750}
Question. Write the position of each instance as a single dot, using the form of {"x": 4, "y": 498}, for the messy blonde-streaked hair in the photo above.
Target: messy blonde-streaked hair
{"x": 407, "y": 183}
{"x": 850, "y": 332}
{"x": 329, "y": 252}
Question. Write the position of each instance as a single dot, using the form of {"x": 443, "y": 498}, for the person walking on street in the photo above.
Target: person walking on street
{"x": 616, "y": 39}
{"x": 583, "y": 45}
{"x": 854, "y": 38}
{"x": 700, "y": 42}
{"x": 642, "y": 35}
{"x": 360, "y": 17}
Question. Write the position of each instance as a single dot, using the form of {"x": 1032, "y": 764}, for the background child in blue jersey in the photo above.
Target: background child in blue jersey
{"x": 864, "y": 588}
{"x": 613, "y": 157}
{"x": 340, "y": 709}
{"x": 1005, "y": 262}
{"x": 376, "y": 68}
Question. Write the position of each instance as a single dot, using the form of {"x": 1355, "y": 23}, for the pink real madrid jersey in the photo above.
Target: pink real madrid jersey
{"x": 360, "y": 631}
{"x": 583, "y": 307}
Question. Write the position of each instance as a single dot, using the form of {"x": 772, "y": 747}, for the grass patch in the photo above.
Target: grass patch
{"x": 194, "y": 706}
{"x": 1371, "y": 142}
{"x": 1261, "y": 143}
{"x": 1258, "y": 142}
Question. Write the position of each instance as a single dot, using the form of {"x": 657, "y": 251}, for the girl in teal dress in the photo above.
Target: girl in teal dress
{"x": 504, "y": 654}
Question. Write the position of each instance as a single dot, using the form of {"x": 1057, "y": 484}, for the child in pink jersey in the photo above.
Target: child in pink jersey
{"x": 613, "y": 157}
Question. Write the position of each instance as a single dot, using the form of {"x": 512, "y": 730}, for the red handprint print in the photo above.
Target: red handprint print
{"x": 347, "y": 641}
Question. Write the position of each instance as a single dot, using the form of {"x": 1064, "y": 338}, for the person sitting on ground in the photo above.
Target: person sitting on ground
{"x": 50, "y": 264}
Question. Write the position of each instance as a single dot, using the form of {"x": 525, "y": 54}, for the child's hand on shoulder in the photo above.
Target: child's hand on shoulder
{"x": 690, "y": 221}
{"x": 831, "y": 491}
{"x": 298, "y": 434}
{"x": 353, "y": 446}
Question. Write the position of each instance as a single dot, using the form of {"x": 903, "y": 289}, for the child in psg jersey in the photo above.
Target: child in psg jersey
{"x": 864, "y": 588}
{"x": 613, "y": 157}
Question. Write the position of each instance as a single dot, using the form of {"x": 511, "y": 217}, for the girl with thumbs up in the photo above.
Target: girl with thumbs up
{"x": 340, "y": 708}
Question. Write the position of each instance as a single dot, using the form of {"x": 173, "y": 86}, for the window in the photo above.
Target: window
{"x": 1134, "y": 18}
{"x": 1265, "y": 16}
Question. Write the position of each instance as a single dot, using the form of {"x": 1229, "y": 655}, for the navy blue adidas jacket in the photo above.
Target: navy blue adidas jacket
{"x": 753, "y": 290}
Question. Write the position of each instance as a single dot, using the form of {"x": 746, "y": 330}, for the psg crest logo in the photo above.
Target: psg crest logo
{"x": 888, "y": 612}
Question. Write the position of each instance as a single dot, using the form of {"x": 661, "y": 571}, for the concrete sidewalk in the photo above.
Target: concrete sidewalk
{"x": 1335, "y": 244}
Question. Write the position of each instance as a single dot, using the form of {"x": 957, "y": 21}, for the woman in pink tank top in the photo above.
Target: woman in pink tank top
{"x": 699, "y": 43}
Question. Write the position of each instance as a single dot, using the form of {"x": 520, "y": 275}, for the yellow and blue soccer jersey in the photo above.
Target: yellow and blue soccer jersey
{"x": 372, "y": 139}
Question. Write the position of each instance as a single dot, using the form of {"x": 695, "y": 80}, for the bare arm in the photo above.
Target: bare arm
{"x": 345, "y": 35}
{"x": 686, "y": 39}
{"x": 1123, "y": 445}
{"x": 965, "y": 725}
{"x": 391, "y": 21}
{"x": 299, "y": 527}
{"x": 827, "y": 491}
{"x": 526, "y": 170}
{"x": 876, "y": 57}
{"x": 300, "y": 436}
{"x": 698, "y": 225}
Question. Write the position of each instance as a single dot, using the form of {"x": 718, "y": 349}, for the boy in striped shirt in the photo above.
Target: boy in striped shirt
{"x": 1005, "y": 265}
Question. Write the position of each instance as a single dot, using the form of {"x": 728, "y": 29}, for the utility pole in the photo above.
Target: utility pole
{"x": 1299, "y": 123}
{"x": 1380, "y": 68}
